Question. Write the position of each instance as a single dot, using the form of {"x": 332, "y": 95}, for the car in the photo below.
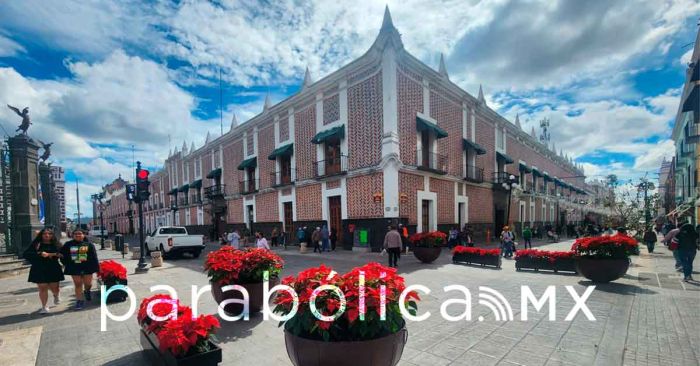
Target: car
{"x": 172, "y": 240}
{"x": 97, "y": 231}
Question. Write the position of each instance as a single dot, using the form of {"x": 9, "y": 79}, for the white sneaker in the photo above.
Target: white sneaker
{"x": 44, "y": 310}
{"x": 57, "y": 299}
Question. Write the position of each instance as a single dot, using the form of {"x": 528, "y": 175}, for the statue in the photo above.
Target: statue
{"x": 25, "y": 118}
{"x": 47, "y": 150}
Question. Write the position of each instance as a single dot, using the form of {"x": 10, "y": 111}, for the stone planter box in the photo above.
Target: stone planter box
{"x": 255, "y": 296}
{"x": 385, "y": 351}
{"x": 483, "y": 260}
{"x": 560, "y": 265}
{"x": 602, "y": 270}
{"x": 149, "y": 343}
{"x": 427, "y": 254}
{"x": 115, "y": 296}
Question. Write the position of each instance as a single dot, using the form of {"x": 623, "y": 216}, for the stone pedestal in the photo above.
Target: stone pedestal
{"x": 24, "y": 177}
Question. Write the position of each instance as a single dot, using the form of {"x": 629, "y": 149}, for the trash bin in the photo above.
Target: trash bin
{"x": 156, "y": 259}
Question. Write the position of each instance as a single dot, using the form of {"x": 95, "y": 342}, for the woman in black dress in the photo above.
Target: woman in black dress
{"x": 79, "y": 258}
{"x": 43, "y": 254}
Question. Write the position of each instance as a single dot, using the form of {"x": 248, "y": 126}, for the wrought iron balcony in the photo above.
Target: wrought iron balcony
{"x": 173, "y": 204}
{"x": 184, "y": 201}
{"x": 280, "y": 179}
{"x": 248, "y": 186}
{"x": 429, "y": 161}
{"x": 474, "y": 174}
{"x": 217, "y": 190}
{"x": 504, "y": 177}
{"x": 329, "y": 167}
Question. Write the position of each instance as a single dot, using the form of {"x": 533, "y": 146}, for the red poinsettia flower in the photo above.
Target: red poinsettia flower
{"x": 615, "y": 246}
{"x": 461, "y": 249}
{"x": 160, "y": 309}
{"x": 551, "y": 256}
{"x": 429, "y": 239}
{"x": 186, "y": 335}
{"x": 111, "y": 270}
{"x": 228, "y": 266}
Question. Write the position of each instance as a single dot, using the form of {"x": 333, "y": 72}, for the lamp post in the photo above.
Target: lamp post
{"x": 509, "y": 184}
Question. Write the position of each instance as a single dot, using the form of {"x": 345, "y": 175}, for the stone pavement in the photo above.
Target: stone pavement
{"x": 649, "y": 317}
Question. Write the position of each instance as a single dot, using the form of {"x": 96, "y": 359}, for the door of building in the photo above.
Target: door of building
{"x": 332, "y": 156}
{"x": 460, "y": 214}
{"x": 425, "y": 204}
{"x": 335, "y": 216}
{"x": 250, "y": 215}
{"x": 288, "y": 217}
{"x": 285, "y": 170}
{"x": 499, "y": 220}
{"x": 425, "y": 149}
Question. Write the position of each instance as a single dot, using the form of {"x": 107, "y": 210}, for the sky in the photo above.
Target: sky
{"x": 113, "y": 82}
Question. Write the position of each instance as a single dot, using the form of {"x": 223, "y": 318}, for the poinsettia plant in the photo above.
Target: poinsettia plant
{"x": 617, "y": 246}
{"x": 544, "y": 255}
{"x": 352, "y": 322}
{"x": 162, "y": 308}
{"x": 187, "y": 335}
{"x": 228, "y": 266}
{"x": 461, "y": 249}
{"x": 111, "y": 271}
{"x": 428, "y": 239}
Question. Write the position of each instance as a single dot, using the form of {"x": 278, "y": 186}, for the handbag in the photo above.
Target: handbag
{"x": 673, "y": 245}
{"x": 383, "y": 252}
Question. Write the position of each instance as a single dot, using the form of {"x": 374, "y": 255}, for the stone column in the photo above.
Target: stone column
{"x": 46, "y": 194}
{"x": 24, "y": 177}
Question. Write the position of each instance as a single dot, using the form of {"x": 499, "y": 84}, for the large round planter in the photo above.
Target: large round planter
{"x": 602, "y": 270}
{"x": 385, "y": 351}
{"x": 255, "y": 296}
{"x": 427, "y": 254}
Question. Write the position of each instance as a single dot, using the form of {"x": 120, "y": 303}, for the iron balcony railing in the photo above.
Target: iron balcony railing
{"x": 431, "y": 161}
{"x": 173, "y": 204}
{"x": 184, "y": 201}
{"x": 280, "y": 179}
{"x": 248, "y": 186}
{"x": 474, "y": 174}
{"x": 504, "y": 177}
{"x": 217, "y": 190}
{"x": 328, "y": 167}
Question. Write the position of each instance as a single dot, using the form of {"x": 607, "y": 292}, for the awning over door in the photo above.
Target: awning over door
{"x": 524, "y": 168}
{"x": 216, "y": 173}
{"x": 505, "y": 158}
{"x": 197, "y": 184}
{"x": 473, "y": 145}
{"x": 184, "y": 188}
{"x": 286, "y": 150}
{"x": 425, "y": 125}
{"x": 323, "y": 136}
{"x": 248, "y": 163}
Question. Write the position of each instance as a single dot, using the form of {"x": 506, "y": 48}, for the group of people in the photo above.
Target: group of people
{"x": 683, "y": 242}
{"x": 234, "y": 240}
{"x": 460, "y": 237}
{"x": 322, "y": 239}
{"x": 51, "y": 261}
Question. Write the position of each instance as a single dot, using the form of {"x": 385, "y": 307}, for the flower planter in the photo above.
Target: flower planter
{"x": 385, "y": 351}
{"x": 537, "y": 264}
{"x": 114, "y": 296}
{"x": 602, "y": 270}
{"x": 255, "y": 296}
{"x": 484, "y": 260}
{"x": 427, "y": 254}
{"x": 149, "y": 343}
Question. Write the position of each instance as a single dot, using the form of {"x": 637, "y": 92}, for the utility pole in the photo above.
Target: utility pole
{"x": 77, "y": 199}
{"x": 141, "y": 195}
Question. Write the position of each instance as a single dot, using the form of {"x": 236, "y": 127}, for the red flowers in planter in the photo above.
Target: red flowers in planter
{"x": 461, "y": 249}
{"x": 111, "y": 270}
{"x": 614, "y": 247}
{"x": 428, "y": 239}
{"x": 551, "y": 256}
{"x": 228, "y": 266}
{"x": 159, "y": 309}
{"x": 350, "y": 324}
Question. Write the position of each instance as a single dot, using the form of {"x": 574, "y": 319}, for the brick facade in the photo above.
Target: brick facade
{"x": 360, "y": 191}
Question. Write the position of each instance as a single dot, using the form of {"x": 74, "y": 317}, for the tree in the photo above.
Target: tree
{"x": 627, "y": 204}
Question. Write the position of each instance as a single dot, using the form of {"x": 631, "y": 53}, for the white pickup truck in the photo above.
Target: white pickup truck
{"x": 97, "y": 231}
{"x": 174, "y": 240}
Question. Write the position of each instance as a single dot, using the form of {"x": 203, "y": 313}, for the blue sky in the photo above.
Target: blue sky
{"x": 100, "y": 77}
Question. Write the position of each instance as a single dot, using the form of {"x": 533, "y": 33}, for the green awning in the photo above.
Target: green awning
{"x": 196, "y": 184}
{"x": 546, "y": 176}
{"x": 323, "y": 136}
{"x": 285, "y": 150}
{"x": 248, "y": 163}
{"x": 525, "y": 168}
{"x": 536, "y": 172}
{"x": 693, "y": 101}
{"x": 184, "y": 188}
{"x": 506, "y": 159}
{"x": 173, "y": 192}
{"x": 425, "y": 125}
{"x": 466, "y": 144}
{"x": 216, "y": 173}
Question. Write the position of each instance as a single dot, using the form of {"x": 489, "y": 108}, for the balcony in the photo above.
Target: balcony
{"x": 280, "y": 179}
{"x": 503, "y": 177}
{"x": 248, "y": 186}
{"x": 330, "y": 167}
{"x": 217, "y": 190}
{"x": 474, "y": 174}
{"x": 431, "y": 162}
{"x": 184, "y": 201}
{"x": 173, "y": 204}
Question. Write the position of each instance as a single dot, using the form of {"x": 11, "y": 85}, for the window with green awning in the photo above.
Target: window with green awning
{"x": 196, "y": 184}
{"x": 524, "y": 168}
{"x": 184, "y": 188}
{"x": 466, "y": 144}
{"x": 425, "y": 125}
{"x": 286, "y": 150}
{"x": 536, "y": 172}
{"x": 505, "y": 158}
{"x": 248, "y": 163}
{"x": 331, "y": 133}
{"x": 173, "y": 192}
{"x": 216, "y": 173}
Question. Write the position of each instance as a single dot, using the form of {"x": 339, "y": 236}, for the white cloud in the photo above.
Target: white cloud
{"x": 685, "y": 59}
{"x": 9, "y": 47}
{"x": 651, "y": 159}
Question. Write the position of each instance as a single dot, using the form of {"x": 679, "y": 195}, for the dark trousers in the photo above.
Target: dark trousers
{"x": 394, "y": 254}
{"x": 687, "y": 256}
{"x": 528, "y": 243}
{"x": 650, "y": 246}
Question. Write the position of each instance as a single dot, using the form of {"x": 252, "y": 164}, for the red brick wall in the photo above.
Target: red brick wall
{"x": 409, "y": 184}
{"x": 193, "y": 215}
{"x": 445, "y": 200}
{"x": 305, "y": 151}
{"x": 410, "y": 101}
{"x": 266, "y": 140}
{"x": 283, "y": 128}
{"x": 206, "y": 168}
{"x": 332, "y": 184}
{"x": 360, "y": 190}
{"x": 480, "y": 204}
{"x": 233, "y": 155}
{"x": 235, "y": 211}
{"x": 309, "y": 202}
{"x": 448, "y": 115}
{"x": 331, "y": 109}
{"x": 251, "y": 142}
{"x": 266, "y": 209}
{"x": 365, "y": 122}
{"x": 485, "y": 136}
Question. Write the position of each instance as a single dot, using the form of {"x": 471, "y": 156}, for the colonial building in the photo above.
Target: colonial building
{"x": 118, "y": 212}
{"x": 384, "y": 139}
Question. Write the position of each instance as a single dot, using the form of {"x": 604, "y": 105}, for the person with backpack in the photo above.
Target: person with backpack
{"x": 43, "y": 254}
{"x": 301, "y": 235}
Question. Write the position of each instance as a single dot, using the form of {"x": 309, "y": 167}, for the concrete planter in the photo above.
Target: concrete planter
{"x": 537, "y": 264}
{"x": 602, "y": 270}
{"x": 149, "y": 343}
{"x": 427, "y": 254}
{"x": 255, "y": 296}
{"x": 483, "y": 260}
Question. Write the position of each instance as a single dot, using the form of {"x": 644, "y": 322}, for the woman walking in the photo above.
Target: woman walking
{"x": 79, "y": 258}
{"x": 43, "y": 254}
{"x": 687, "y": 248}
{"x": 507, "y": 240}
{"x": 392, "y": 245}
{"x": 650, "y": 239}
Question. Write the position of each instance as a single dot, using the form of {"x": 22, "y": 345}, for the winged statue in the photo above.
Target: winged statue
{"x": 26, "y": 121}
{"x": 47, "y": 150}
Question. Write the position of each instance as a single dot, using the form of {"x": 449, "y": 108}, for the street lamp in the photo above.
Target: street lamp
{"x": 509, "y": 184}
{"x": 97, "y": 197}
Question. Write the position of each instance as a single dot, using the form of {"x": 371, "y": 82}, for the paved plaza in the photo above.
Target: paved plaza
{"x": 649, "y": 317}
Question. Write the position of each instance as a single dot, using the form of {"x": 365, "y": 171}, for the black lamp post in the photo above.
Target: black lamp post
{"x": 509, "y": 183}
{"x": 97, "y": 197}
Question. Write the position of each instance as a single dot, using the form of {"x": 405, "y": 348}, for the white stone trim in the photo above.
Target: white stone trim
{"x": 248, "y": 201}
{"x": 282, "y": 199}
{"x": 276, "y": 127}
{"x": 430, "y": 196}
{"x": 340, "y": 191}
{"x": 426, "y": 96}
{"x": 461, "y": 199}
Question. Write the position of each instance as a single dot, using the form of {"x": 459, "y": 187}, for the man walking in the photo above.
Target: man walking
{"x": 527, "y": 237}
{"x": 650, "y": 239}
{"x": 315, "y": 239}
{"x": 325, "y": 239}
{"x": 392, "y": 245}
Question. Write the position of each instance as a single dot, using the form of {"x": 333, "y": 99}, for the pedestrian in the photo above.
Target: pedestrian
{"x": 79, "y": 259}
{"x": 650, "y": 239}
{"x": 392, "y": 245}
{"x": 527, "y": 237}
{"x": 260, "y": 241}
{"x": 315, "y": 239}
{"x": 301, "y": 235}
{"x": 452, "y": 237}
{"x": 507, "y": 239}
{"x": 43, "y": 254}
{"x": 234, "y": 239}
{"x": 672, "y": 242}
{"x": 403, "y": 230}
{"x": 334, "y": 238}
{"x": 687, "y": 248}
{"x": 282, "y": 239}
{"x": 325, "y": 239}
{"x": 273, "y": 236}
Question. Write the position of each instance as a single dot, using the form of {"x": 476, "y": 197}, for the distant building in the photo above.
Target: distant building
{"x": 117, "y": 215}
{"x": 59, "y": 181}
{"x": 666, "y": 190}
